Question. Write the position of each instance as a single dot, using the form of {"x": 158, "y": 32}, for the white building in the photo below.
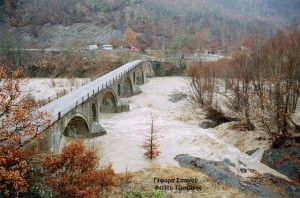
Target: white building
{"x": 107, "y": 47}
{"x": 93, "y": 47}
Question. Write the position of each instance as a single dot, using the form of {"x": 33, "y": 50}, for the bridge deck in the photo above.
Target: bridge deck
{"x": 66, "y": 103}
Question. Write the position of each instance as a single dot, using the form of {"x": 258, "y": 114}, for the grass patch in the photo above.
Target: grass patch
{"x": 143, "y": 184}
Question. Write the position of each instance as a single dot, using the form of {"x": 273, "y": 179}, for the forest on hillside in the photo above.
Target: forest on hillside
{"x": 213, "y": 24}
{"x": 247, "y": 100}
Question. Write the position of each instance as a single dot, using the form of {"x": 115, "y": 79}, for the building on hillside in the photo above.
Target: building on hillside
{"x": 92, "y": 47}
{"x": 207, "y": 52}
{"x": 106, "y": 47}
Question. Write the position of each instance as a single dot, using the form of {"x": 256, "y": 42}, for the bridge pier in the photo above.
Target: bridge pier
{"x": 96, "y": 130}
{"x": 123, "y": 105}
{"x": 137, "y": 90}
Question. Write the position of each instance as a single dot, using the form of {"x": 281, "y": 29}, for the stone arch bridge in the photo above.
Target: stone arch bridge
{"x": 77, "y": 113}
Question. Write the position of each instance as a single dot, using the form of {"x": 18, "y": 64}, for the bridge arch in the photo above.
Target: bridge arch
{"x": 139, "y": 76}
{"x": 77, "y": 126}
{"x": 109, "y": 102}
{"x": 127, "y": 87}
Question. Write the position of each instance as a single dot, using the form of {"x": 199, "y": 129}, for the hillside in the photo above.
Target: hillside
{"x": 215, "y": 24}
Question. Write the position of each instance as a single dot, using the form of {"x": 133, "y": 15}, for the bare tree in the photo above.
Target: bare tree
{"x": 150, "y": 143}
{"x": 280, "y": 92}
{"x": 262, "y": 82}
{"x": 240, "y": 89}
{"x": 202, "y": 83}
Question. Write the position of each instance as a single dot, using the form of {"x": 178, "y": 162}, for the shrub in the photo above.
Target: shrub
{"x": 216, "y": 115}
{"x": 155, "y": 65}
{"x": 72, "y": 173}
